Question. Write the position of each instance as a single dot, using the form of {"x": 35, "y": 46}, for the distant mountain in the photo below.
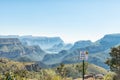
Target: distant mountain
{"x": 98, "y": 51}
{"x": 43, "y": 42}
{"x": 54, "y": 58}
{"x": 109, "y": 40}
{"x": 59, "y": 47}
{"x": 13, "y": 48}
{"x": 53, "y": 50}
{"x": 9, "y": 36}
{"x": 35, "y": 53}
{"x": 51, "y": 45}
{"x": 81, "y": 44}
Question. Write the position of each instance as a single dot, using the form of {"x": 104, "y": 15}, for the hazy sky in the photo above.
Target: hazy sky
{"x": 72, "y": 20}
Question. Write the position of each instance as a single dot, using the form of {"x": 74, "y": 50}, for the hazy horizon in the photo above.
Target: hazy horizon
{"x": 72, "y": 20}
{"x": 60, "y": 37}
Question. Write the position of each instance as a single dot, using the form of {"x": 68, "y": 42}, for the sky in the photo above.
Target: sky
{"x": 72, "y": 20}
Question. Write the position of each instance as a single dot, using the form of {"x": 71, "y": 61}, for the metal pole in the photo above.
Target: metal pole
{"x": 83, "y": 69}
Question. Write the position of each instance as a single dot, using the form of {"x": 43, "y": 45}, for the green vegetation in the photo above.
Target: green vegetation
{"x": 12, "y": 70}
{"x": 114, "y": 61}
{"x": 75, "y": 70}
{"x": 109, "y": 76}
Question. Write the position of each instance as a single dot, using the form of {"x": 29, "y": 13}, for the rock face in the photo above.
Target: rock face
{"x": 35, "y": 53}
{"x": 13, "y": 48}
{"x": 10, "y": 47}
{"x": 51, "y": 45}
{"x": 43, "y": 42}
{"x": 33, "y": 67}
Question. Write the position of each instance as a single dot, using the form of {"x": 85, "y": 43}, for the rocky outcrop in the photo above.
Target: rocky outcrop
{"x": 13, "y": 48}
{"x": 44, "y": 42}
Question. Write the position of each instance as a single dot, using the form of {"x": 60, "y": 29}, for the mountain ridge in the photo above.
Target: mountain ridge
{"x": 95, "y": 49}
{"x": 101, "y": 46}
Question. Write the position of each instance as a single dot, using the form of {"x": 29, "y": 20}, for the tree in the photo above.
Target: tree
{"x": 61, "y": 70}
{"x": 79, "y": 67}
{"x": 114, "y": 61}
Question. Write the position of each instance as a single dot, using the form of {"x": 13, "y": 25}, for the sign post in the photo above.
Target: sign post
{"x": 83, "y": 56}
{"x": 83, "y": 70}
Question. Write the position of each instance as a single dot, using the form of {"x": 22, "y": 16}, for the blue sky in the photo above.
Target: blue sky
{"x": 72, "y": 20}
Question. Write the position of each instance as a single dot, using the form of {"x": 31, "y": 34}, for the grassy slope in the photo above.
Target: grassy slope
{"x": 96, "y": 69}
{"x": 6, "y": 64}
{"x": 9, "y": 64}
{"x": 21, "y": 65}
{"x": 91, "y": 68}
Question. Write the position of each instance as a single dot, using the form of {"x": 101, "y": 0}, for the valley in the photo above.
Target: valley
{"x": 35, "y": 54}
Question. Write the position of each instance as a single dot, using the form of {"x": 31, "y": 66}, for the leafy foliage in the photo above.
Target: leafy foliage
{"x": 109, "y": 76}
{"x": 114, "y": 61}
{"x": 19, "y": 71}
